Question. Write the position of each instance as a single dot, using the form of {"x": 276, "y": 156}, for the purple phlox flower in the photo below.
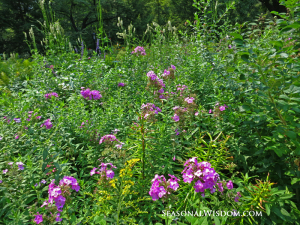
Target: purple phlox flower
{"x": 121, "y": 84}
{"x": 88, "y": 94}
{"x": 38, "y": 218}
{"x": 222, "y": 108}
{"x": 161, "y": 91}
{"x": 17, "y": 120}
{"x": 20, "y": 165}
{"x": 1, "y": 181}
{"x": 189, "y": 100}
{"x": 108, "y": 138}
{"x": 70, "y": 181}
{"x": 140, "y": 50}
{"x": 47, "y": 124}
{"x": 119, "y": 146}
{"x": 115, "y": 131}
{"x": 202, "y": 173}
{"x": 229, "y": 46}
{"x": 17, "y": 137}
{"x": 210, "y": 111}
{"x": 181, "y": 87}
{"x": 60, "y": 201}
{"x": 151, "y": 75}
{"x": 30, "y": 112}
{"x": 49, "y": 95}
{"x": 175, "y": 118}
{"x": 5, "y": 171}
{"x": 220, "y": 187}
{"x": 174, "y": 158}
{"x": 196, "y": 113}
{"x": 93, "y": 171}
{"x": 177, "y": 132}
{"x": 38, "y": 117}
{"x": 36, "y": 185}
{"x": 166, "y": 73}
{"x": 105, "y": 172}
{"x": 57, "y": 219}
{"x": 43, "y": 181}
{"x": 10, "y": 163}
{"x": 229, "y": 185}
{"x": 237, "y": 197}
{"x": 173, "y": 67}
{"x": 44, "y": 203}
{"x": 159, "y": 183}
{"x": 95, "y": 95}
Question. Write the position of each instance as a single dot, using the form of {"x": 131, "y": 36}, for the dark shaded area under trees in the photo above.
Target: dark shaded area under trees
{"x": 79, "y": 17}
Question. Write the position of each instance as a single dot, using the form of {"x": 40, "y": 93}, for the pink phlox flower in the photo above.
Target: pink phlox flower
{"x": 38, "y": 218}
{"x": 151, "y": 75}
{"x": 229, "y": 185}
{"x": 175, "y": 118}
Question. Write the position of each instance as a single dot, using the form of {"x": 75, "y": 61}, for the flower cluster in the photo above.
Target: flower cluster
{"x": 17, "y": 120}
{"x": 189, "y": 100}
{"x": 59, "y": 195}
{"x": 179, "y": 111}
{"x": 106, "y": 175}
{"x": 138, "y": 50}
{"x": 47, "y": 124}
{"x": 7, "y": 120}
{"x": 108, "y": 139}
{"x": 155, "y": 81}
{"x": 82, "y": 124}
{"x": 161, "y": 187}
{"x": 41, "y": 182}
{"x": 169, "y": 73}
{"x": 148, "y": 110}
{"x": 204, "y": 176}
{"x": 121, "y": 85}
{"x": 49, "y": 95}
{"x": 218, "y": 109}
{"x": 19, "y": 164}
{"x": 88, "y": 94}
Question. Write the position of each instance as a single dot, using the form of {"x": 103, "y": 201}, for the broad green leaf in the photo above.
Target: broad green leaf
{"x": 236, "y": 35}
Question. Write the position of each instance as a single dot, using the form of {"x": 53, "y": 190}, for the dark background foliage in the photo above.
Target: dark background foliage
{"x": 79, "y": 17}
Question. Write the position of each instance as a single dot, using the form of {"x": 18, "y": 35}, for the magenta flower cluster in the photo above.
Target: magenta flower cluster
{"x": 178, "y": 111}
{"x": 56, "y": 195}
{"x": 19, "y": 164}
{"x": 155, "y": 80}
{"x": 161, "y": 187}
{"x": 204, "y": 176}
{"x": 149, "y": 109}
{"x": 103, "y": 171}
{"x": 88, "y": 94}
{"x": 49, "y": 95}
{"x": 47, "y": 124}
{"x": 189, "y": 100}
{"x": 121, "y": 85}
{"x": 221, "y": 108}
{"x": 138, "y": 50}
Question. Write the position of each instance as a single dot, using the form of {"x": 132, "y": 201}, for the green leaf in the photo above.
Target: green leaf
{"x": 295, "y": 180}
{"x": 245, "y": 58}
{"x": 284, "y": 212}
{"x": 29, "y": 200}
{"x": 238, "y": 36}
{"x": 242, "y": 77}
{"x": 291, "y": 134}
{"x": 267, "y": 209}
{"x": 277, "y": 43}
{"x": 216, "y": 220}
{"x": 45, "y": 154}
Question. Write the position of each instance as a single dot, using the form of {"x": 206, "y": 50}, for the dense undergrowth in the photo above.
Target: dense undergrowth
{"x": 93, "y": 139}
